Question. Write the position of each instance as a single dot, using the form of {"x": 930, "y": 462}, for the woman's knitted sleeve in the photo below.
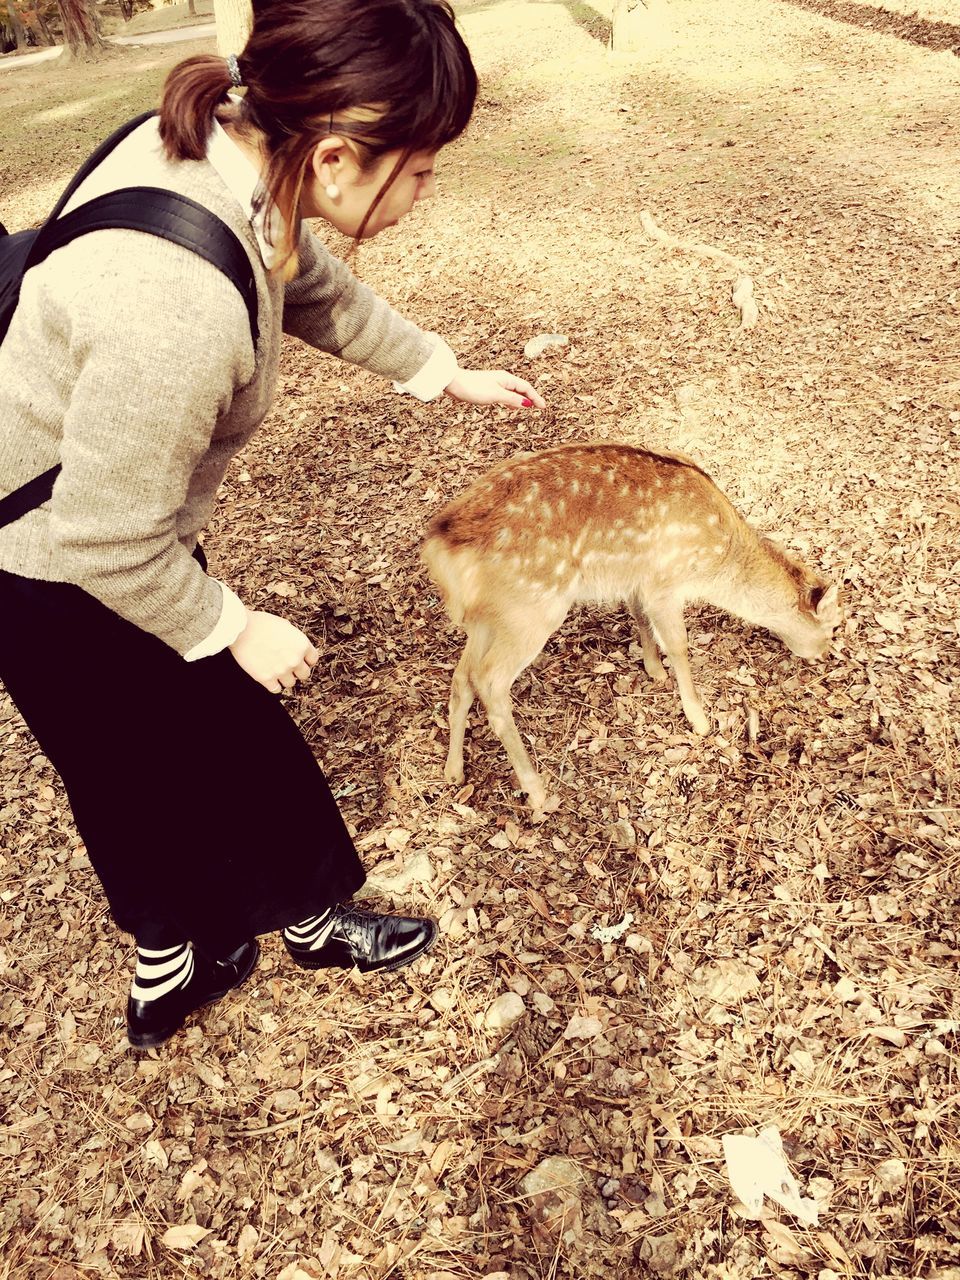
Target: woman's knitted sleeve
{"x": 328, "y": 307}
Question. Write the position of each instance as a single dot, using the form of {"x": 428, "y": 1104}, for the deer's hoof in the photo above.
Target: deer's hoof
{"x": 537, "y": 799}
{"x": 700, "y": 724}
{"x": 453, "y": 773}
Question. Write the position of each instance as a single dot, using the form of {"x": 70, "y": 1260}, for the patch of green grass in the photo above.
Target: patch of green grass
{"x": 589, "y": 18}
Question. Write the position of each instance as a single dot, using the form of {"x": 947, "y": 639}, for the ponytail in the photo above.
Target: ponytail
{"x": 191, "y": 94}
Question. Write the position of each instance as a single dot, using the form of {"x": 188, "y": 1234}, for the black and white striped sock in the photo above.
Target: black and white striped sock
{"x": 160, "y": 972}
{"x": 312, "y": 933}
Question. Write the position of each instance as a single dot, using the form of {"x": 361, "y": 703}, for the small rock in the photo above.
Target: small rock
{"x": 536, "y": 346}
{"x": 504, "y": 1012}
{"x": 542, "y": 1003}
{"x": 139, "y": 1122}
{"x": 892, "y": 1175}
{"x": 553, "y": 1193}
{"x": 582, "y": 1028}
{"x": 442, "y": 1000}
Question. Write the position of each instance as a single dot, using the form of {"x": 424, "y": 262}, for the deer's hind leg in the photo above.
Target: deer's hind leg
{"x": 517, "y": 637}
{"x": 461, "y": 697}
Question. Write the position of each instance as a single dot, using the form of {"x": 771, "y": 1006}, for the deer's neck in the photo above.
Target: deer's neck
{"x": 755, "y": 586}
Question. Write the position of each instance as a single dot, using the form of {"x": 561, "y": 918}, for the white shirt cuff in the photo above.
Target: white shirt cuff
{"x": 437, "y": 374}
{"x": 233, "y": 619}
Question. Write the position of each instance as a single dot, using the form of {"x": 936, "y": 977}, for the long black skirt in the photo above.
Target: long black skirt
{"x": 203, "y": 811}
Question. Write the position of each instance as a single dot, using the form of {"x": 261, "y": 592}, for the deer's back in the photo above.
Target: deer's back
{"x": 580, "y": 522}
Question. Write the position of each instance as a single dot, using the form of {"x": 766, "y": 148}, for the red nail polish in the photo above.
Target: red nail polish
{"x": 527, "y": 404}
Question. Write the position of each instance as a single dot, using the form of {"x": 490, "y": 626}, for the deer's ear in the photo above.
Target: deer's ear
{"x": 825, "y": 602}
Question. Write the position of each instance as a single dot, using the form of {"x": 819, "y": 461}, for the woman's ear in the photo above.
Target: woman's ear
{"x": 326, "y": 160}
{"x": 334, "y": 161}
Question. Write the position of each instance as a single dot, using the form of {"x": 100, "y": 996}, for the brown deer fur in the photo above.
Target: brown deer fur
{"x": 604, "y": 523}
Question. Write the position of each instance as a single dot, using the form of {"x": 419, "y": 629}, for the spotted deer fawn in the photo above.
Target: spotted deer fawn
{"x": 603, "y": 523}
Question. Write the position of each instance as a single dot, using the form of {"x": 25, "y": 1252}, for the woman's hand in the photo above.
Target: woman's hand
{"x": 484, "y": 386}
{"x": 273, "y": 651}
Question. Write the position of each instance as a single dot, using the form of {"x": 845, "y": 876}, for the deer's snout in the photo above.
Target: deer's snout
{"x": 811, "y": 649}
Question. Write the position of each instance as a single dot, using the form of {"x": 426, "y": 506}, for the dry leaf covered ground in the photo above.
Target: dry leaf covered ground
{"x": 792, "y": 954}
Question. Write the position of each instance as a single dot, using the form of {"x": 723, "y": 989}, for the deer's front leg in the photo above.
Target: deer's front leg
{"x": 670, "y": 627}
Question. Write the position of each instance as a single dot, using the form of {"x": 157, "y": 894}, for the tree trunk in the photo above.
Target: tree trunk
{"x": 192, "y": 7}
{"x": 126, "y": 9}
{"x": 16, "y": 26}
{"x": 639, "y": 26}
{"x": 81, "y": 35}
{"x": 46, "y": 34}
{"x": 234, "y": 23}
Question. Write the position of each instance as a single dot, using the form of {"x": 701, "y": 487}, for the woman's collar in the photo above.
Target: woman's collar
{"x": 242, "y": 178}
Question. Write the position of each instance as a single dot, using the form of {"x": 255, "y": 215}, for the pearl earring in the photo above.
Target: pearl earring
{"x": 332, "y": 190}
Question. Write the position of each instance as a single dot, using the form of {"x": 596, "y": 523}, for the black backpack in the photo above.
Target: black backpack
{"x": 151, "y": 209}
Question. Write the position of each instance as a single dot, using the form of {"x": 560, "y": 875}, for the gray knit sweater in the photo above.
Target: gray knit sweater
{"x": 129, "y": 361}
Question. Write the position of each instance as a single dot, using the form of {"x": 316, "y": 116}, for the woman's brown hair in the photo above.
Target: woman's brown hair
{"x": 389, "y": 75}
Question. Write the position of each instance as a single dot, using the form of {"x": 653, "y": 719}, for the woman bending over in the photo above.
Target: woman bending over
{"x": 149, "y": 684}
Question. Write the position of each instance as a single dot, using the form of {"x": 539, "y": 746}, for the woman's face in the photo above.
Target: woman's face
{"x": 357, "y": 189}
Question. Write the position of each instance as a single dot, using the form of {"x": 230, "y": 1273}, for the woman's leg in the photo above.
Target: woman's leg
{"x": 204, "y": 812}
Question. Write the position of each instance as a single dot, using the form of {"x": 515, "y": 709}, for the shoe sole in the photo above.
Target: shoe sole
{"x": 153, "y": 1041}
{"x": 380, "y": 968}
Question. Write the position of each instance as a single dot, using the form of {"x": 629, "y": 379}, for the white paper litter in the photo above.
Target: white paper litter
{"x": 757, "y": 1167}
{"x": 612, "y": 932}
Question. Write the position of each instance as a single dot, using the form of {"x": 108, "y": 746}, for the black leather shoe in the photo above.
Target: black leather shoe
{"x": 368, "y": 941}
{"x": 151, "y": 1022}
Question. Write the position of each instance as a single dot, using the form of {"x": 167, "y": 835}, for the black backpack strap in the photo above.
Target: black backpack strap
{"x": 170, "y": 216}
{"x": 157, "y": 212}
{"x": 30, "y": 495}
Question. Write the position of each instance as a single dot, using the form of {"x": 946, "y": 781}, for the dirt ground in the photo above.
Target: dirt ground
{"x": 791, "y": 960}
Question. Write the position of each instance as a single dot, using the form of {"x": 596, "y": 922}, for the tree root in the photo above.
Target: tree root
{"x": 742, "y": 290}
